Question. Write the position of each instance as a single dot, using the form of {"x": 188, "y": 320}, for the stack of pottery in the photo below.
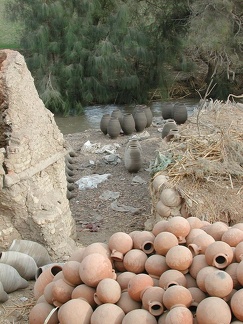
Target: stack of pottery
{"x": 133, "y": 156}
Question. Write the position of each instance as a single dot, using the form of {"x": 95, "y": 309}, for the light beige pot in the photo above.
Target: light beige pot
{"x": 3, "y": 295}
{"x": 11, "y": 279}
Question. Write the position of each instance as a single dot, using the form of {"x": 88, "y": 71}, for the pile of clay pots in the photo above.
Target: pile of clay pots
{"x": 183, "y": 271}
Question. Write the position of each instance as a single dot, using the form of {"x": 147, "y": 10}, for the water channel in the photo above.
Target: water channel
{"x": 91, "y": 116}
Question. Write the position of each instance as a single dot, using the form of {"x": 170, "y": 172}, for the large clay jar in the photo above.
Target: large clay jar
{"x": 219, "y": 284}
{"x": 179, "y": 315}
{"x": 216, "y": 230}
{"x": 152, "y": 299}
{"x": 172, "y": 277}
{"x": 200, "y": 243}
{"x": 104, "y": 123}
{"x": 180, "y": 113}
{"x": 167, "y": 110}
{"x": 232, "y": 236}
{"x": 124, "y": 278}
{"x": 61, "y": 292}
{"x": 219, "y": 254}
{"x": 84, "y": 292}
{"x": 144, "y": 240}
{"x": 128, "y": 124}
{"x": 94, "y": 268}
{"x": 164, "y": 241}
{"x": 199, "y": 262}
{"x": 213, "y": 310}
{"x": 107, "y": 313}
{"x": 134, "y": 260}
{"x": 180, "y": 227}
{"x": 113, "y": 127}
{"x": 140, "y": 120}
{"x": 168, "y": 126}
{"x": 179, "y": 258}
{"x": 11, "y": 279}
{"x": 127, "y": 304}
{"x": 133, "y": 156}
{"x": 75, "y": 311}
{"x": 70, "y": 272}
{"x": 141, "y": 316}
{"x": 120, "y": 243}
{"x": 39, "y": 313}
{"x": 155, "y": 265}
{"x": 177, "y": 296}
{"x": 107, "y": 291}
{"x": 202, "y": 275}
{"x": 138, "y": 284}
{"x": 236, "y": 304}
{"x": 23, "y": 263}
{"x": 44, "y": 278}
{"x": 149, "y": 115}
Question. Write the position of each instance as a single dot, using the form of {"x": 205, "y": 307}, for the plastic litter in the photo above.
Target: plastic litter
{"x": 90, "y": 182}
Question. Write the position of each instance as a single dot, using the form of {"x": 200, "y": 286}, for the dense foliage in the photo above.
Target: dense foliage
{"x": 114, "y": 51}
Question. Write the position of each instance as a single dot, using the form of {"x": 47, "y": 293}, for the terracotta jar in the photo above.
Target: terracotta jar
{"x": 133, "y": 156}
{"x": 107, "y": 291}
{"x": 70, "y": 272}
{"x": 155, "y": 265}
{"x": 197, "y": 296}
{"x": 94, "y": 268}
{"x": 104, "y": 123}
{"x": 192, "y": 234}
{"x": 97, "y": 247}
{"x": 168, "y": 126}
{"x": 179, "y": 315}
{"x": 194, "y": 222}
{"x": 144, "y": 240}
{"x": 40, "y": 312}
{"x": 138, "y": 284}
{"x": 118, "y": 266}
{"x": 180, "y": 227}
{"x": 141, "y": 316}
{"x": 75, "y": 311}
{"x": 120, "y": 243}
{"x": 113, "y": 127}
{"x": 190, "y": 281}
{"x": 179, "y": 258}
{"x": 200, "y": 243}
{"x": 134, "y": 260}
{"x": 84, "y": 292}
{"x": 128, "y": 124}
{"x": 180, "y": 113}
{"x": 218, "y": 283}
{"x": 239, "y": 272}
{"x": 239, "y": 252}
{"x": 158, "y": 181}
{"x": 219, "y": 254}
{"x": 202, "y": 275}
{"x": 107, "y": 313}
{"x": 213, "y": 310}
{"x": 236, "y": 304}
{"x": 48, "y": 293}
{"x": 232, "y": 236}
{"x": 61, "y": 292}
{"x": 232, "y": 271}
{"x": 162, "y": 210}
{"x": 162, "y": 318}
{"x": 159, "y": 227}
{"x": 127, "y": 304}
{"x": 140, "y": 120}
{"x": 238, "y": 225}
{"x": 124, "y": 278}
{"x": 177, "y": 296}
{"x": 199, "y": 262}
{"x": 216, "y": 230}
{"x": 172, "y": 277}
{"x": 164, "y": 241}
{"x": 152, "y": 299}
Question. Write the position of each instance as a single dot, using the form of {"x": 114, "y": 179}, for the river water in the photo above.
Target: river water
{"x": 91, "y": 116}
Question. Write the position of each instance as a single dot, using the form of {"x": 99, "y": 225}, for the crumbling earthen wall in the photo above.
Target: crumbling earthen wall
{"x": 33, "y": 203}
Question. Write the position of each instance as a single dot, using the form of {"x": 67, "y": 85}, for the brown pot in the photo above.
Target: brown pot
{"x": 144, "y": 240}
{"x": 159, "y": 227}
{"x": 233, "y": 236}
{"x": 202, "y": 275}
{"x": 75, "y": 311}
{"x": 195, "y": 222}
{"x": 127, "y": 304}
{"x": 192, "y": 234}
{"x": 141, "y": 316}
{"x": 239, "y": 252}
{"x": 216, "y": 230}
{"x": 120, "y": 243}
{"x": 77, "y": 255}
{"x": 40, "y": 312}
{"x": 180, "y": 227}
{"x": 138, "y": 284}
{"x": 199, "y": 262}
{"x": 134, "y": 260}
{"x": 172, "y": 277}
{"x": 155, "y": 265}
{"x": 97, "y": 247}
{"x": 70, "y": 272}
{"x": 197, "y": 296}
{"x": 84, "y": 292}
{"x": 236, "y": 304}
{"x": 179, "y": 258}
{"x": 107, "y": 313}
{"x": 124, "y": 278}
{"x": 219, "y": 254}
{"x": 200, "y": 243}
{"x": 152, "y": 299}
{"x": 219, "y": 284}
{"x": 107, "y": 291}
{"x": 232, "y": 271}
{"x": 61, "y": 292}
{"x": 164, "y": 241}
{"x": 178, "y": 315}
{"x": 177, "y": 296}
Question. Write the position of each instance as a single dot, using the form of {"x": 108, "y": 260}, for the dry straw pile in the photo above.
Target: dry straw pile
{"x": 205, "y": 163}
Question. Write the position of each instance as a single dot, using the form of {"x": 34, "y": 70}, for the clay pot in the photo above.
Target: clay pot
{"x": 232, "y": 271}
{"x": 119, "y": 266}
{"x": 219, "y": 254}
{"x": 127, "y": 304}
{"x": 179, "y": 258}
{"x": 107, "y": 291}
{"x": 178, "y": 315}
{"x": 180, "y": 113}
{"x": 213, "y": 310}
{"x": 23, "y": 263}
{"x": 152, "y": 299}
{"x": 3, "y": 295}
{"x": 44, "y": 278}
{"x": 97, "y": 247}
{"x": 104, "y": 123}
{"x": 61, "y": 292}
{"x": 164, "y": 241}
{"x": 40, "y": 312}
{"x": 155, "y": 265}
{"x": 194, "y": 222}
{"x": 170, "y": 197}
{"x": 177, "y": 296}
{"x": 236, "y": 304}
{"x": 202, "y": 275}
{"x": 168, "y": 126}
{"x": 172, "y": 277}
{"x": 238, "y": 225}
{"x": 113, "y": 127}
{"x": 239, "y": 272}
{"x": 180, "y": 227}
{"x": 128, "y": 124}
{"x": 47, "y": 266}
{"x": 162, "y": 210}
{"x": 11, "y": 279}
{"x": 159, "y": 227}
{"x": 141, "y": 316}
{"x": 77, "y": 255}
{"x": 140, "y": 120}
{"x": 149, "y": 115}
{"x": 94, "y": 268}
{"x": 144, "y": 240}
{"x": 218, "y": 283}
{"x": 216, "y": 230}
{"x": 197, "y": 296}
{"x": 70, "y": 272}
{"x": 239, "y": 252}
{"x": 48, "y": 297}
{"x": 33, "y": 249}
{"x": 138, "y": 284}
{"x": 200, "y": 243}
{"x": 162, "y": 318}
{"x": 84, "y": 292}
{"x": 75, "y": 311}
{"x": 158, "y": 181}
{"x": 134, "y": 260}
{"x": 232, "y": 236}
{"x": 167, "y": 110}
{"x": 133, "y": 156}
{"x": 117, "y": 113}
{"x": 199, "y": 262}
{"x": 192, "y": 234}
{"x": 124, "y": 278}
{"x": 107, "y": 313}
{"x": 190, "y": 281}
